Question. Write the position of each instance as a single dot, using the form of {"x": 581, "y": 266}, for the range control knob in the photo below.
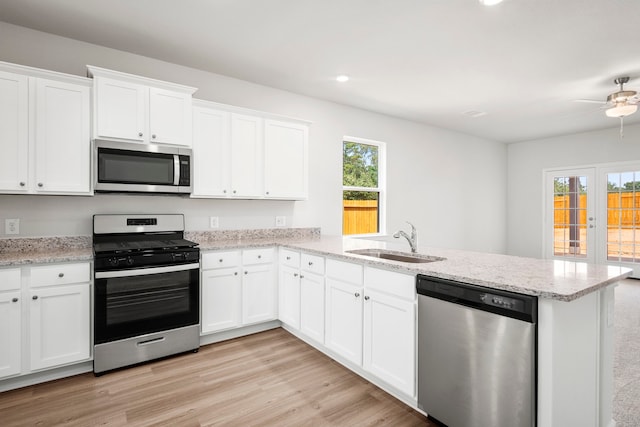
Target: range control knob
{"x": 129, "y": 260}
{"x": 113, "y": 262}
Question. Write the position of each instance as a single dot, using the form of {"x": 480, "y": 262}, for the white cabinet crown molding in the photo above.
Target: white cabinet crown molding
{"x": 93, "y": 71}
{"x": 247, "y": 111}
{"x": 46, "y": 74}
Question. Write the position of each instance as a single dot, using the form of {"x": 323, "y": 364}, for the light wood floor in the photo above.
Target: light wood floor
{"x": 266, "y": 379}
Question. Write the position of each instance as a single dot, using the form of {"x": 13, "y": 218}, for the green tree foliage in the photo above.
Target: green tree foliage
{"x": 360, "y": 169}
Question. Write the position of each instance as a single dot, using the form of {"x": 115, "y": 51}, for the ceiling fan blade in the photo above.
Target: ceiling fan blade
{"x": 593, "y": 101}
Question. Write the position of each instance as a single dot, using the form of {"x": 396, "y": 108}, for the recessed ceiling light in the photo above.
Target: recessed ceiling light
{"x": 489, "y": 2}
{"x": 342, "y": 78}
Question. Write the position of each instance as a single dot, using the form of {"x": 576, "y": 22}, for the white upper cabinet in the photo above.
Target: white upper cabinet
{"x": 285, "y": 159}
{"x": 44, "y": 132}
{"x": 133, "y": 108}
{"x": 14, "y": 131}
{"x": 211, "y": 152}
{"x": 246, "y": 154}
{"x": 62, "y": 148}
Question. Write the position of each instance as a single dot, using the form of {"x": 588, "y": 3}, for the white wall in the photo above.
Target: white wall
{"x": 451, "y": 185}
{"x": 526, "y": 162}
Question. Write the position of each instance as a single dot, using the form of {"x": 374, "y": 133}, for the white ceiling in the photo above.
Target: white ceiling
{"x": 523, "y": 62}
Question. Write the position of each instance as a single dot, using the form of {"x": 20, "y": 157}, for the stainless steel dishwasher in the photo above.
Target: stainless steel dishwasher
{"x": 476, "y": 355}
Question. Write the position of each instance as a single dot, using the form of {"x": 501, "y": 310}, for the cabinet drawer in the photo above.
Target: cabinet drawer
{"x": 257, "y": 256}
{"x": 312, "y": 263}
{"x": 289, "y": 258}
{"x": 344, "y": 271}
{"x": 390, "y": 283}
{"x": 220, "y": 259}
{"x": 50, "y": 275}
{"x": 9, "y": 279}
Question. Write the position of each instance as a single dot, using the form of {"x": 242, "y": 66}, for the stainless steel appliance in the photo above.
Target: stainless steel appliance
{"x": 135, "y": 167}
{"x": 147, "y": 289}
{"x": 476, "y": 354}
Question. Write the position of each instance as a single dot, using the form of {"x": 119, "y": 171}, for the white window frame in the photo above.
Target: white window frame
{"x": 381, "y": 188}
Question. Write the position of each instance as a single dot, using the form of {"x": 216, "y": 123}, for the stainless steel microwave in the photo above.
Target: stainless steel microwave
{"x": 141, "y": 168}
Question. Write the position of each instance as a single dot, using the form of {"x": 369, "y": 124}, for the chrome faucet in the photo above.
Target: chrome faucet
{"x": 413, "y": 239}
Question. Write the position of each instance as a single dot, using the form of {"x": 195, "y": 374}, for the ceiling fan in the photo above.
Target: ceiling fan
{"x": 619, "y": 104}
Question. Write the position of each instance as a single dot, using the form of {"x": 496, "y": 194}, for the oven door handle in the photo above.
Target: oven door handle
{"x": 146, "y": 271}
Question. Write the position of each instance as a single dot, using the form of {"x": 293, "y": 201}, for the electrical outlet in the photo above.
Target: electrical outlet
{"x": 281, "y": 221}
{"x": 12, "y": 226}
{"x": 213, "y": 222}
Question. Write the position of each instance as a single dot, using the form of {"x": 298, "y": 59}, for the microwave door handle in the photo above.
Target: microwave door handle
{"x": 176, "y": 169}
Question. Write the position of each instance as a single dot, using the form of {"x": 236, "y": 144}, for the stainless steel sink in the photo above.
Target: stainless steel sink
{"x": 396, "y": 256}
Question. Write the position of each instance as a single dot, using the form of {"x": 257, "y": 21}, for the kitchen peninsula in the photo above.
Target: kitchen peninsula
{"x": 575, "y": 306}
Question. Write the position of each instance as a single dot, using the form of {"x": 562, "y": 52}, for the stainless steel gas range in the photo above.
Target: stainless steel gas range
{"x": 147, "y": 289}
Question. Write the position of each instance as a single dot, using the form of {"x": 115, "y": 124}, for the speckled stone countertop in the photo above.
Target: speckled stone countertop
{"x": 552, "y": 279}
{"x": 41, "y": 250}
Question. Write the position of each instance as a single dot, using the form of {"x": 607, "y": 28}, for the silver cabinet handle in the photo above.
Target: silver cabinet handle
{"x": 288, "y": 258}
{"x": 220, "y": 260}
{"x": 14, "y": 300}
{"x": 267, "y": 193}
{"x": 140, "y": 134}
{"x": 234, "y": 191}
{"x": 310, "y": 263}
{"x": 366, "y": 298}
{"x": 259, "y": 256}
{"x": 295, "y": 274}
{"x": 60, "y": 274}
{"x": 22, "y": 184}
{"x": 153, "y": 136}
{"x": 235, "y": 273}
{"x": 246, "y": 272}
{"x": 224, "y": 191}
{"x": 40, "y": 184}
{"x": 301, "y": 276}
{"x": 357, "y": 294}
{"x": 35, "y": 297}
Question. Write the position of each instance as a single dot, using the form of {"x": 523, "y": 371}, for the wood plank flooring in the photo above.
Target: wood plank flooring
{"x": 266, "y": 379}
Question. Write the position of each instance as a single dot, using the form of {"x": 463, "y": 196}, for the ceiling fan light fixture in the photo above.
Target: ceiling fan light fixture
{"x": 621, "y": 110}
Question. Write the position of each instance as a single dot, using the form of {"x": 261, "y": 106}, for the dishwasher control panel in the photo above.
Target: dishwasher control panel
{"x": 502, "y": 301}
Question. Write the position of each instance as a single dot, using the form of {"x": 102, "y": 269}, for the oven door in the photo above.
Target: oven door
{"x": 130, "y": 303}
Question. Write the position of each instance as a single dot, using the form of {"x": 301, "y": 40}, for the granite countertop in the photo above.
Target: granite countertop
{"x": 552, "y": 279}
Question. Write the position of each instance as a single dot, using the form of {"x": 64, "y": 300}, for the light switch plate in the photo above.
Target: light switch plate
{"x": 281, "y": 221}
{"x": 12, "y": 226}
{"x": 213, "y": 222}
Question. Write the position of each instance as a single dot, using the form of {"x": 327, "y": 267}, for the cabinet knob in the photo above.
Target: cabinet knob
{"x": 140, "y": 134}
{"x": 310, "y": 263}
{"x": 301, "y": 276}
{"x": 246, "y": 272}
{"x": 220, "y": 260}
{"x": 295, "y": 274}
{"x": 235, "y": 273}
{"x": 267, "y": 193}
{"x": 153, "y": 136}
{"x": 60, "y": 274}
{"x": 366, "y": 298}
{"x": 40, "y": 184}
{"x": 22, "y": 184}
{"x": 224, "y": 191}
{"x": 288, "y": 258}
{"x": 35, "y": 297}
{"x": 259, "y": 256}
{"x": 14, "y": 300}
{"x": 357, "y": 294}
{"x": 234, "y": 191}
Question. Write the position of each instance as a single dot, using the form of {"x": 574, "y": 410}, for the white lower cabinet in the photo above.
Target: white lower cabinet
{"x": 289, "y": 294}
{"x": 312, "y": 306}
{"x": 343, "y": 315}
{"x": 238, "y": 288}
{"x": 59, "y": 324}
{"x": 10, "y": 322}
{"x": 221, "y": 299}
{"x": 56, "y": 315}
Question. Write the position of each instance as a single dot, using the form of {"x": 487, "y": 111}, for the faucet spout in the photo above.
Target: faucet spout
{"x": 413, "y": 239}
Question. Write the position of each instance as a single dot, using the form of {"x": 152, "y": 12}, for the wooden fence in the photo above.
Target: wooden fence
{"x": 359, "y": 216}
{"x": 623, "y": 210}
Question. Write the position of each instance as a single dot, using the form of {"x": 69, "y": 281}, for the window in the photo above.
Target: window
{"x": 363, "y": 186}
{"x": 623, "y": 216}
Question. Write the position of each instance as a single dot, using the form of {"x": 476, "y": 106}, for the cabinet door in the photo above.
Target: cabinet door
{"x": 211, "y": 154}
{"x": 10, "y": 333}
{"x": 59, "y": 325}
{"x": 389, "y": 340}
{"x": 289, "y": 307}
{"x": 221, "y": 299}
{"x": 312, "y": 306}
{"x": 285, "y": 160}
{"x": 62, "y": 138}
{"x": 258, "y": 294}
{"x": 169, "y": 117}
{"x": 246, "y": 156}
{"x": 121, "y": 109}
{"x": 14, "y": 131}
{"x": 344, "y": 320}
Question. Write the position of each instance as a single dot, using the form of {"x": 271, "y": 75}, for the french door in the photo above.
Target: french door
{"x": 593, "y": 215}
{"x": 570, "y": 219}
